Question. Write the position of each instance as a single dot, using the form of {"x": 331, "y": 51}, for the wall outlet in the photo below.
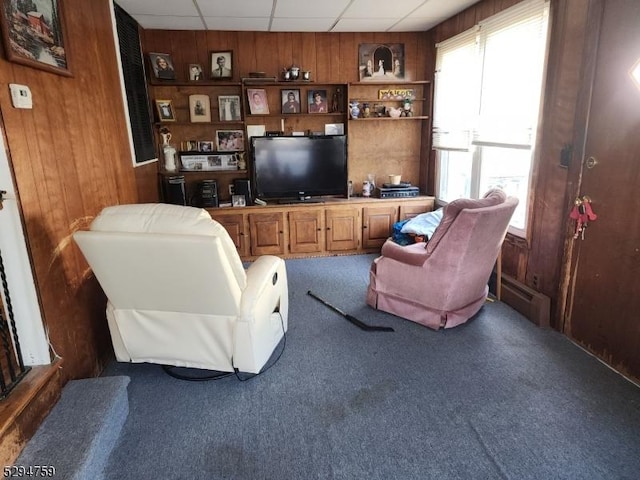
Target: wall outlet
{"x": 535, "y": 280}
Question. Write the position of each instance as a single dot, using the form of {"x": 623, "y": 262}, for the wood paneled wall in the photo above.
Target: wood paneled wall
{"x": 541, "y": 253}
{"x": 331, "y": 57}
{"x": 71, "y": 157}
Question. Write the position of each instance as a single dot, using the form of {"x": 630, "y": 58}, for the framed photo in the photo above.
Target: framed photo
{"x": 34, "y": 34}
{"x": 290, "y": 100}
{"x": 257, "y": 98}
{"x": 199, "y": 108}
{"x": 317, "y": 100}
{"x": 165, "y": 111}
{"x": 222, "y": 64}
{"x": 190, "y": 146}
{"x": 162, "y": 66}
{"x": 205, "y": 146}
{"x": 238, "y": 201}
{"x": 379, "y": 62}
{"x": 229, "y": 108}
{"x": 195, "y": 72}
{"x": 229, "y": 140}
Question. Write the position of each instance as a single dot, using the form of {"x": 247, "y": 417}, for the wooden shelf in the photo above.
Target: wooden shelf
{"x": 201, "y": 83}
{"x": 399, "y": 82}
{"x": 196, "y": 124}
{"x": 416, "y": 117}
{"x": 204, "y": 172}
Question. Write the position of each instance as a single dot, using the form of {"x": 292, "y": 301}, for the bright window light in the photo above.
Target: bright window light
{"x": 635, "y": 73}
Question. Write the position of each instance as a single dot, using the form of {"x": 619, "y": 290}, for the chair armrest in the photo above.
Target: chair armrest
{"x": 262, "y": 292}
{"x": 414, "y": 254}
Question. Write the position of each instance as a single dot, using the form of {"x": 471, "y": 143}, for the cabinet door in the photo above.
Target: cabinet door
{"x": 236, "y": 225}
{"x": 305, "y": 231}
{"x": 410, "y": 210}
{"x": 377, "y": 225}
{"x": 267, "y": 233}
{"x": 342, "y": 229}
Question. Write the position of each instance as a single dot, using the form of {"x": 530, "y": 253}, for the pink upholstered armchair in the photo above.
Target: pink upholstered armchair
{"x": 443, "y": 283}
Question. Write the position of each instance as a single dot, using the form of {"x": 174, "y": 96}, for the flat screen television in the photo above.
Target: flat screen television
{"x": 299, "y": 168}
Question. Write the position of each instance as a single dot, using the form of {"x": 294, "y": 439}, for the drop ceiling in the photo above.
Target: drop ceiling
{"x": 293, "y": 15}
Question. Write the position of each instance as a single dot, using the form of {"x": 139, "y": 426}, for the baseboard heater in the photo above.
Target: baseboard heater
{"x": 533, "y": 305}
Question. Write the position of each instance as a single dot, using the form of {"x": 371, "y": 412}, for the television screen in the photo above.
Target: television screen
{"x": 299, "y": 167}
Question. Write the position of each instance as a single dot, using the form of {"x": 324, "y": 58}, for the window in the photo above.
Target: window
{"x": 135, "y": 87}
{"x": 488, "y": 90}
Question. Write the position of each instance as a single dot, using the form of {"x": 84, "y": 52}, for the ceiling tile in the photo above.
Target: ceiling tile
{"x": 381, "y": 8}
{"x": 442, "y": 8}
{"x": 298, "y": 9}
{"x": 416, "y": 24}
{"x": 360, "y": 25}
{"x": 302, "y": 24}
{"x": 237, "y": 23}
{"x": 235, "y": 8}
{"x": 163, "y": 22}
{"x": 182, "y": 8}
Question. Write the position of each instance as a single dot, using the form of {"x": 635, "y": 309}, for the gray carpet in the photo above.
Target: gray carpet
{"x": 494, "y": 398}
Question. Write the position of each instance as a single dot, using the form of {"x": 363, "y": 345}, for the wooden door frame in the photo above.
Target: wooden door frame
{"x": 571, "y": 250}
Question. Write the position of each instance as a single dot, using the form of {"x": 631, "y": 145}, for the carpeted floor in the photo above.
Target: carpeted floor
{"x": 494, "y": 398}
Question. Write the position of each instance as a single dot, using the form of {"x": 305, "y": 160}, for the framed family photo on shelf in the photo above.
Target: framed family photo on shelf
{"x": 229, "y": 108}
{"x": 290, "y": 100}
{"x": 195, "y": 72}
{"x": 165, "y": 111}
{"x": 257, "y": 98}
{"x": 37, "y": 41}
{"x": 222, "y": 65}
{"x": 229, "y": 140}
{"x": 317, "y": 100}
{"x": 199, "y": 108}
{"x": 162, "y": 66}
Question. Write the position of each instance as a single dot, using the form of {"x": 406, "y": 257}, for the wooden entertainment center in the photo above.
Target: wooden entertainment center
{"x": 337, "y": 226}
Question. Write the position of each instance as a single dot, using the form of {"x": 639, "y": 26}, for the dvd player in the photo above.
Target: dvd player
{"x": 396, "y": 192}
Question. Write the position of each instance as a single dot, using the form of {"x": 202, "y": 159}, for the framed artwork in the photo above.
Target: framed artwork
{"x": 290, "y": 100}
{"x": 165, "y": 111}
{"x": 199, "y": 108}
{"x": 257, "y": 98}
{"x": 162, "y": 66}
{"x": 229, "y": 108}
{"x": 34, "y": 34}
{"x": 195, "y": 72}
{"x": 229, "y": 140}
{"x": 205, "y": 146}
{"x": 379, "y": 62}
{"x": 222, "y": 64}
{"x": 317, "y": 100}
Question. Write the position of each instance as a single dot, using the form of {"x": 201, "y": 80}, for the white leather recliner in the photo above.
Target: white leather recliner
{"x": 178, "y": 293}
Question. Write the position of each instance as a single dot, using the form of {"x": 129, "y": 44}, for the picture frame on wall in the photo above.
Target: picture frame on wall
{"x": 199, "y": 108}
{"x": 165, "y": 111}
{"x": 36, "y": 37}
{"x": 257, "y": 98}
{"x": 317, "y": 101}
{"x": 162, "y": 66}
{"x": 380, "y": 62}
{"x": 290, "y": 99}
{"x": 229, "y": 140}
{"x": 229, "y": 108}
{"x": 221, "y": 65}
